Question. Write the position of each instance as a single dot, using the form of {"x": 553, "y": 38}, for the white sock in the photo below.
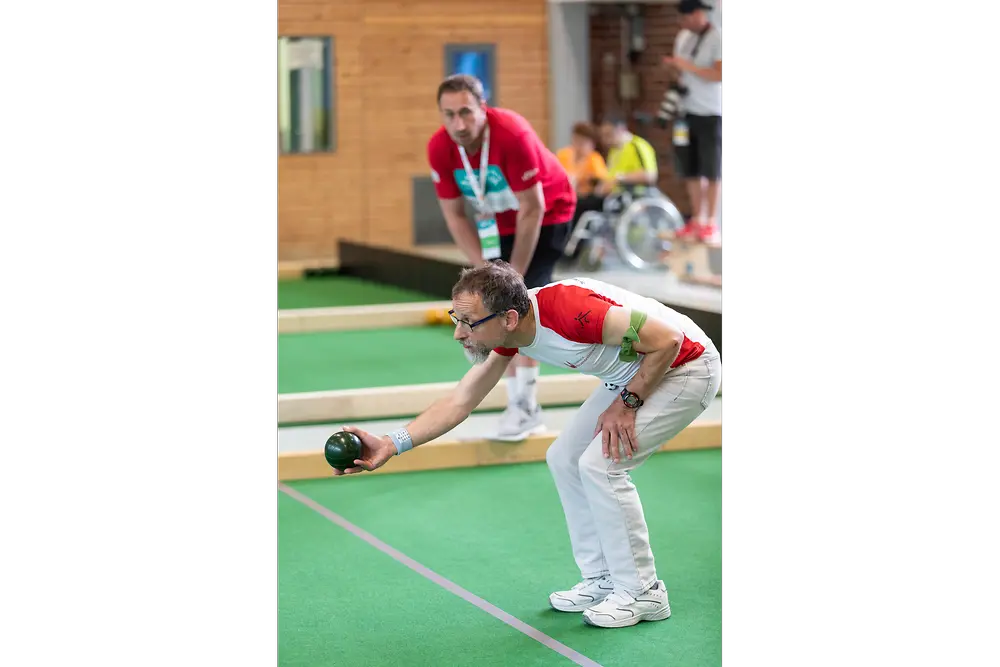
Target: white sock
{"x": 513, "y": 389}
{"x": 527, "y": 378}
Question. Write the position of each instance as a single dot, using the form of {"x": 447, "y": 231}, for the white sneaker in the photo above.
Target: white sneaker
{"x": 620, "y": 609}
{"x": 585, "y": 594}
{"x": 517, "y": 423}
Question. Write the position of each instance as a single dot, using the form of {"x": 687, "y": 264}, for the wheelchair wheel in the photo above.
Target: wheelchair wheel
{"x": 646, "y": 230}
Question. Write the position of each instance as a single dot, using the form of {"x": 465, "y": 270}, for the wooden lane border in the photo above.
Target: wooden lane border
{"x": 383, "y": 402}
{"x": 295, "y": 269}
{"x": 347, "y": 405}
{"x": 378, "y": 316}
{"x": 443, "y": 454}
{"x": 352, "y": 318}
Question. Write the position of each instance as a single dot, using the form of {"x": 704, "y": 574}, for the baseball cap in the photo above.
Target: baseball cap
{"x": 691, "y": 6}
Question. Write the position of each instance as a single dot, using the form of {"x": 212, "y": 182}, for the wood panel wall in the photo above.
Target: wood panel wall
{"x": 389, "y": 59}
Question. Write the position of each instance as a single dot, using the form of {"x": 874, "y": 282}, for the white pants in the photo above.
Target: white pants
{"x": 607, "y": 528}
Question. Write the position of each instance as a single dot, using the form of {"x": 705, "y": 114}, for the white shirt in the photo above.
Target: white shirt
{"x": 569, "y": 323}
{"x": 704, "y": 98}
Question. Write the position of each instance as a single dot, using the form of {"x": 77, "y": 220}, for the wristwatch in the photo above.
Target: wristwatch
{"x": 631, "y": 399}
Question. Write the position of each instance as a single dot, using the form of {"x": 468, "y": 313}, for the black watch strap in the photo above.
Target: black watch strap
{"x": 631, "y": 399}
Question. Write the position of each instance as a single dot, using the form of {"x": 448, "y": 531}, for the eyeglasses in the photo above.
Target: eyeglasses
{"x": 470, "y": 325}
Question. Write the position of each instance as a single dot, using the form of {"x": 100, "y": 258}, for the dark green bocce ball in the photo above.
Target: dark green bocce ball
{"x": 341, "y": 449}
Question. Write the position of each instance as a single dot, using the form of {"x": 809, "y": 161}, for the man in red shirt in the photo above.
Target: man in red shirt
{"x": 524, "y": 202}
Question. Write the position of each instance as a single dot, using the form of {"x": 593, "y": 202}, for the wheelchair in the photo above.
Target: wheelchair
{"x": 639, "y": 226}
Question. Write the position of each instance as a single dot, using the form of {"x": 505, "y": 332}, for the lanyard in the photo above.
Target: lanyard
{"x": 479, "y": 188}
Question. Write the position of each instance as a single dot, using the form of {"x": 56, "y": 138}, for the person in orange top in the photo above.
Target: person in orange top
{"x": 581, "y": 160}
{"x": 586, "y": 168}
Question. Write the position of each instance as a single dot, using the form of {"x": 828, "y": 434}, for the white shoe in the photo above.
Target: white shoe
{"x": 585, "y": 594}
{"x": 517, "y": 423}
{"x": 620, "y": 609}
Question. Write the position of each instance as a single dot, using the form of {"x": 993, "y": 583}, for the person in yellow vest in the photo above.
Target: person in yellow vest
{"x": 631, "y": 160}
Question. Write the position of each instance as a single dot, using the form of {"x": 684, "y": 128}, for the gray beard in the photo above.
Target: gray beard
{"x": 476, "y": 355}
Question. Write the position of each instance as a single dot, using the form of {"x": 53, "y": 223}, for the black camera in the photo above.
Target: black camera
{"x": 671, "y": 105}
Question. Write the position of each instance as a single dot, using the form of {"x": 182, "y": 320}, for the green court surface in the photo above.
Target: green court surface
{"x": 328, "y": 360}
{"x": 328, "y": 292}
{"x": 499, "y": 532}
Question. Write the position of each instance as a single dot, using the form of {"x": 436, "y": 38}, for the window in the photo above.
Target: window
{"x": 306, "y": 120}
{"x": 479, "y": 60}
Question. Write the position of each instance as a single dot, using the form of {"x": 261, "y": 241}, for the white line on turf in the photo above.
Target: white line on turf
{"x": 450, "y": 586}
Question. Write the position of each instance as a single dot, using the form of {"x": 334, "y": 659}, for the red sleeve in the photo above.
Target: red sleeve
{"x": 524, "y": 165}
{"x": 575, "y": 313}
{"x": 506, "y": 351}
{"x": 441, "y": 174}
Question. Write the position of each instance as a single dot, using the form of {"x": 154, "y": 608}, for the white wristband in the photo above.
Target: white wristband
{"x": 402, "y": 440}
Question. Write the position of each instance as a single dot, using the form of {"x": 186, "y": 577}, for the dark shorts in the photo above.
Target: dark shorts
{"x": 551, "y": 241}
{"x": 702, "y": 157}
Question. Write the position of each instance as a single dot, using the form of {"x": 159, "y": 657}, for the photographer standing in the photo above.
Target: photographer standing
{"x": 697, "y": 61}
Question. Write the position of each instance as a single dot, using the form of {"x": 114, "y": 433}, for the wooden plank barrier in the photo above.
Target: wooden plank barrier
{"x": 294, "y": 269}
{"x": 348, "y": 318}
{"x": 383, "y": 402}
{"x": 443, "y": 454}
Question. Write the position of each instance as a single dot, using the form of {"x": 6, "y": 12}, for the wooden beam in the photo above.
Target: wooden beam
{"x": 348, "y": 318}
{"x": 694, "y": 256}
{"x": 382, "y": 402}
{"x": 345, "y": 405}
{"x": 442, "y": 454}
{"x": 297, "y": 268}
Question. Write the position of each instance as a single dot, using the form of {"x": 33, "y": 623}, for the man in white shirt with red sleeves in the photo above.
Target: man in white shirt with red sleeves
{"x": 660, "y": 372}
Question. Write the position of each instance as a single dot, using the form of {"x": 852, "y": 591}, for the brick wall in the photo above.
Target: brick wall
{"x": 661, "y": 25}
{"x": 389, "y": 59}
